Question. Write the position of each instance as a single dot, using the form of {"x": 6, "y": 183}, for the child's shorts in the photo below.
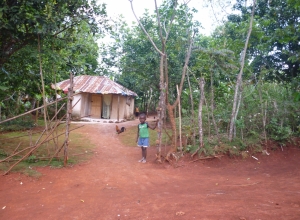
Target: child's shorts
{"x": 143, "y": 142}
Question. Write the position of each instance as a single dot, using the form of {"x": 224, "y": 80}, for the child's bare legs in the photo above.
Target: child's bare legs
{"x": 144, "y": 155}
{"x": 144, "y": 152}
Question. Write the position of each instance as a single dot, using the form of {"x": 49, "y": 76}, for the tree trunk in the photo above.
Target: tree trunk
{"x": 201, "y": 84}
{"x": 149, "y": 102}
{"x": 173, "y": 106}
{"x": 179, "y": 115}
{"x": 43, "y": 85}
{"x": 68, "y": 119}
{"x": 237, "y": 109}
{"x": 201, "y": 144}
{"x": 212, "y": 108}
{"x": 192, "y": 112}
{"x": 43, "y": 90}
{"x": 118, "y": 117}
{"x": 263, "y": 111}
{"x": 239, "y": 76}
{"x": 164, "y": 76}
{"x": 160, "y": 110}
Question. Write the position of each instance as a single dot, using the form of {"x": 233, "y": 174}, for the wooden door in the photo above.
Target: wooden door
{"x": 96, "y": 106}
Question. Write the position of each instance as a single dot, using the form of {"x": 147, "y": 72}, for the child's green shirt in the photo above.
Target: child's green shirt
{"x": 143, "y": 130}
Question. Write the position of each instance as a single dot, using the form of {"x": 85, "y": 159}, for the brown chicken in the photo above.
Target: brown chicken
{"x": 120, "y": 130}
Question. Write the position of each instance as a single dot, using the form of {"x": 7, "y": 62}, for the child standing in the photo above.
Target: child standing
{"x": 137, "y": 112}
{"x": 142, "y": 138}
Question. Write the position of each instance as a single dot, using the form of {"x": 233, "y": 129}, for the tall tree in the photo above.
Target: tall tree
{"x": 239, "y": 77}
{"x": 21, "y": 21}
{"x": 171, "y": 18}
{"x": 67, "y": 32}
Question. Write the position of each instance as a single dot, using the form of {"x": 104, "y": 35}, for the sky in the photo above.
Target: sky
{"x": 206, "y": 16}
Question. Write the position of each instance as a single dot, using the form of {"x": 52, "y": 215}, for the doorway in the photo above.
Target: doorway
{"x": 96, "y": 106}
{"x": 106, "y": 107}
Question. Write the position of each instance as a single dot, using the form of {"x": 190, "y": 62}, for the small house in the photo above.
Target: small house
{"x": 99, "y": 97}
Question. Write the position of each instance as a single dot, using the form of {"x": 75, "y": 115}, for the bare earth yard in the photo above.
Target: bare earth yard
{"x": 113, "y": 185}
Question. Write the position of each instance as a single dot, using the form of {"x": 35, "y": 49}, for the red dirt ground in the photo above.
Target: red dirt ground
{"x": 113, "y": 185}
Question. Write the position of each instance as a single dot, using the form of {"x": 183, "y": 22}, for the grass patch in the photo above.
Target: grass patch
{"x": 79, "y": 150}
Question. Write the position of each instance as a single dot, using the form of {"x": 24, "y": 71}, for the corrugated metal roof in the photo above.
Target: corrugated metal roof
{"x": 94, "y": 84}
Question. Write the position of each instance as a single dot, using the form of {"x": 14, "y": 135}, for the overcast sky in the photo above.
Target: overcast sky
{"x": 205, "y": 15}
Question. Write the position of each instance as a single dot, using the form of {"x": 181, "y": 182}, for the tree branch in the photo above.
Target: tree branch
{"x": 186, "y": 62}
{"x": 141, "y": 25}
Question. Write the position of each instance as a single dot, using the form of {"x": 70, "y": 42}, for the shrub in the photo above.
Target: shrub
{"x": 22, "y": 123}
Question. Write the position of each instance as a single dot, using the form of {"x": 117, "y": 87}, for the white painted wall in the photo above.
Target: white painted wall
{"x": 77, "y": 108}
{"x": 83, "y": 107}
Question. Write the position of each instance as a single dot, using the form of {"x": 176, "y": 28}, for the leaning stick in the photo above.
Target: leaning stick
{"x": 47, "y": 158}
{"x": 1, "y": 139}
{"x": 58, "y": 150}
{"x": 195, "y": 153}
{"x": 25, "y": 156}
{"x": 9, "y": 119}
{"x": 68, "y": 119}
{"x": 15, "y": 154}
{"x": 17, "y": 148}
{"x": 50, "y": 124}
{"x": 54, "y": 118}
{"x": 43, "y": 106}
{"x": 34, "y": 146}
{"x": 205, "y": 158}
{"x": 33, "y": 149}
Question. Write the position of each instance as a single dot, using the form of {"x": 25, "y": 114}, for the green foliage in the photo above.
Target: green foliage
{"x": 190, "y": 148}
{"x": 269, "y": 102}
{"x": 21, "y": 21}
{"x": 132, "y": 53}
{"x": 278, "y": 132}
{"x": 275, "y": 105}
{"x": 67, "y": 34}
{"x": 274, "y": 43}
{"x": 2, "y": 153}
{"x": 22, "y": 123}
{"x": 32, "y": 159}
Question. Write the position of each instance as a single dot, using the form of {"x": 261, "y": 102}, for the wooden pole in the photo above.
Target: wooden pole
{"x": 239, "y": 76}
{"x": 68, "y": 119}
{"x": 179, "y": 114}
{"x": 48, "y": 126}
{"x": 201, "y": 144}
{"x": 32, "y": 149}
{"x": 17, "y": 147}
{"x": 59, "y": 149}
{"x": 43, "y": 85}
{"x": 14, "y": 154}
{"x": 149, "y": 101}
{"x": 118, "y": 108}
{"x": 192, "y": 110}
{"x": 9, "y": 119}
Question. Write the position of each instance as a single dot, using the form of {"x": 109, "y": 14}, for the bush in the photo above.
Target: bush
{"x": 277, "y": 132}
{"x": 22, "y": 123}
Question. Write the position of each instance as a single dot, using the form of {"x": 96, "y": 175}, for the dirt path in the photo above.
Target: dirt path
{"x": 113, "y": 185}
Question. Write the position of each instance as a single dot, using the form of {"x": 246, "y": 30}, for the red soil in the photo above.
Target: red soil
{"x": 113, "y": 185}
